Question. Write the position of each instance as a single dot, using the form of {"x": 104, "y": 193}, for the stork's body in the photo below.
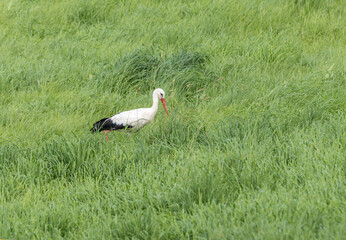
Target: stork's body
{"x": 136, "y": 118}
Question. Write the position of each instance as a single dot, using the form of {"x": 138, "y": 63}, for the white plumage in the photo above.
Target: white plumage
{"x": 136, "y": 118}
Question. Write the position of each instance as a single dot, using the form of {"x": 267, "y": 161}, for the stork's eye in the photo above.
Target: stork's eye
{"x": 161, "y": 94}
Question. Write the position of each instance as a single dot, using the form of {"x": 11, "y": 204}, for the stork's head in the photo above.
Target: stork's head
{"x": 161, "y": 95}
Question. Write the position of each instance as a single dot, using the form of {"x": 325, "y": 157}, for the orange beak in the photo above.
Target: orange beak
{"x": 164, "y": 105}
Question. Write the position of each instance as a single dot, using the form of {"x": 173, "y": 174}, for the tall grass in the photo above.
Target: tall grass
{"x": 254, "y": 147}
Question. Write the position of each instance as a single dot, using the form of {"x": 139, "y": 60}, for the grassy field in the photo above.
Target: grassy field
{"x": 254, "y": 147}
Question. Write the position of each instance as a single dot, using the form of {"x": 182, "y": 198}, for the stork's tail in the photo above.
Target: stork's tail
{"x": 97, "y": 127}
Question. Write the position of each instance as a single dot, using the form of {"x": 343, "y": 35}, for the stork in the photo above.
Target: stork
{"x": 135, "y": 119}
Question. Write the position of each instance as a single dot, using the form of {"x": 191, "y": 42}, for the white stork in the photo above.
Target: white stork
{"x": 135, "y": 119}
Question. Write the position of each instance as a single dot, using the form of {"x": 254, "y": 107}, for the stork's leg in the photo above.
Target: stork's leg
{"x": 107, "y": 131}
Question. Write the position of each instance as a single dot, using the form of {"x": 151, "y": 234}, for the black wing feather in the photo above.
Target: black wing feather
{"x": 107, "y": 124}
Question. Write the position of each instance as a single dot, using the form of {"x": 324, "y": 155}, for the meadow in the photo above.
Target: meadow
{"x": 254, "y": 147}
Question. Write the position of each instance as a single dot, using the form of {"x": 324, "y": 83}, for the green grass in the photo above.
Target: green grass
{"x": 254, "y": 147}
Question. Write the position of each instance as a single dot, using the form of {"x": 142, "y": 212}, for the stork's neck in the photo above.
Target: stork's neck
{"x": 155, "y": 103}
